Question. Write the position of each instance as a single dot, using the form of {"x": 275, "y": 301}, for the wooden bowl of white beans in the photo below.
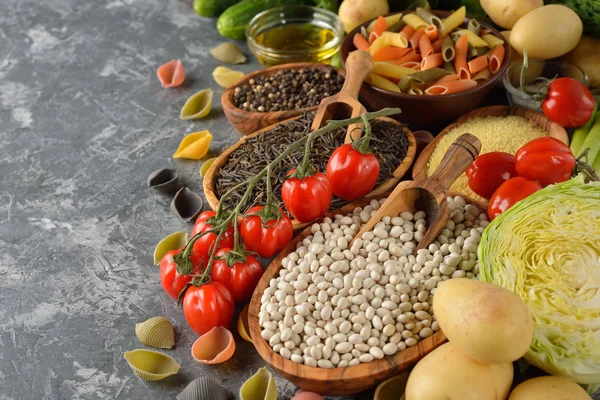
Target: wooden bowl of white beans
{"x": 330, "y": 371}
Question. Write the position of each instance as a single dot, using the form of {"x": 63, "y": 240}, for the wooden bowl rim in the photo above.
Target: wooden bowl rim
{"x": 420, "y": 166}
{"x": 388, "y": 184}
{"x": 386, "y": 365}
{"x": 227, "y": 96}
{"x": 440, "y": 13}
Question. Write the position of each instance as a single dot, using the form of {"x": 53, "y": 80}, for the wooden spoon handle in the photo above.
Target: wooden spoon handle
{"x": 358, "y": 65}
{"x": 461, "y": 154}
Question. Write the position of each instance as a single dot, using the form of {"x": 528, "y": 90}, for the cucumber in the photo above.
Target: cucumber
{"x": 232, "y": 23}
{"x": 212, "y": 8}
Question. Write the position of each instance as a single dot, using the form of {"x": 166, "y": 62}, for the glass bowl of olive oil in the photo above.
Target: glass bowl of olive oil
{"x": 293, "y": 33}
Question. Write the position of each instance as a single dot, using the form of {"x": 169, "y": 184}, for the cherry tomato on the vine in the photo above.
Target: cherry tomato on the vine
{"x": 241, "y": 278}
{"x": 204, "y": 244}
{"x": 308, "y": 198}
{"x": 489, "y": 171}
{"x": 207, "y": 306}
{"x": 172, "y": 281}
{"x": 265, "y": 238}
{"x": 351, "y": 173}
{"x": 509, "y": 193}
{"x": 568, "y": 102}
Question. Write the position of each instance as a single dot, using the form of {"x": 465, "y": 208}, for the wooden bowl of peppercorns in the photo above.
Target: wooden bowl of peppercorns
{"x": 266, "y": 97}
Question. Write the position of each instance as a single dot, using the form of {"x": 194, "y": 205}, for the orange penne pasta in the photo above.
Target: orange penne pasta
{"x": 389, "y": 53}
{"x": 496, "y": 59}
{"x": 460, "y": 59}
{"x": 447, "y": 78}
{"x": 431, "y": 61}
{"x": 378, "y": 29}
{"x": 407, "y": 31}
{"x": 414, "y": 39}
{"x": 432, "y": 32}
{"x": 478, "y": 64}
{"x": 451, "y": 87}
{"x": 425, "y": 46}
{"x": 411, "y": 64}
{"x": 437, "y": 45}
{"x": 411, "y": 56}
{"x": 484, "y": 31}
{"x": 360, "y": 42}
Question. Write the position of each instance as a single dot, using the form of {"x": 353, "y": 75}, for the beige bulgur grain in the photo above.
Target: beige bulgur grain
{"x": 495, "y": 133}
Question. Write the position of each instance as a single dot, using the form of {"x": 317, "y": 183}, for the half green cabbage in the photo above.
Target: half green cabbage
{"x": 546, "y": 248}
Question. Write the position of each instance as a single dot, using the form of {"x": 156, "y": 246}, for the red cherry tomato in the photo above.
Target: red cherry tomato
{"x": 545, "y": 159}
{"x": 268, "y": 239}
{"x": 489, "y": 171}
{"x": 308, "y": 198}
{"x": 351, "y": 173}
{"x": 510, "y": 192}
{"x": 568, "y": 102}
{"x": 172, "y": 281}
{"x": 204, "y": 244}
{"x": 207, "y": 306}
{"x": 241, "y": 278}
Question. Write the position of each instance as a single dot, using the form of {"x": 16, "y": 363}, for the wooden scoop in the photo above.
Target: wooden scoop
{"x": 345, "y": 104}
{"x": 430, "y": 194}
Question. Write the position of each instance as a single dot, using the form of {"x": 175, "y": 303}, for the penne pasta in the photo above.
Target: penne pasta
{"x": 391, "y": 70}
{"x": 432, "y": 61}
{"x": 397, "y": 27}
{"x": 478, "y": 64}
{"x": 382, "y": 83}
{"x": 410, "y": 56}
{"x": 414, "y": 39}
{"x": 451, "y": 87}
{"x": 474, "y": 40}
{"x": 425, "y": 46}
{"x": 472, "y": 52}
{"x": 415, "y": 91}
{"x": 455, "y": 36}
{"x": 389, "y": 53}
{"x": 390, "y": 20}
{"x": 407, "y": 82}
{"x": 496, "y": 59}
{"x": 448, "y": 49}
{"x": 415, "y": 21}
{"x": 492, "y": 40}
{"x": 454, "y": 20}
{"x": 484, "y": 31}
{"x": 460, "y": 57}
{"x": 431, "y": 75}
{"x": 395, "y": 39}
{"x": 360, "y": 42}
{"x": 378, "y": 29}
{"x": 379, "y": 43}
{"x": 407, "y": 31}
{"x": 412, "y": 65}
{"x": 432, "y": 32}
{"x": 437, "y": 45}
{"x": 474, "y": 26}
{"x": 449, "y": 66}
{"x": 482, "y": 75}
{"x": 430, "y": 18}
{"x": 447, "y": 78}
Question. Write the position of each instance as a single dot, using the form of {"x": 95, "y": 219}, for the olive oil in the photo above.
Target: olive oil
{"x": 308, "y": 40}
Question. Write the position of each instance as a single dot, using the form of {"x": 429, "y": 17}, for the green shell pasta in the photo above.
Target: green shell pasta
{"x": 260, "y": 386}
{"x": 171, "y": 242}
{"x": 156, "y": 332}
{"x": 198, "y": 105}
{"x": 151, "y": 365}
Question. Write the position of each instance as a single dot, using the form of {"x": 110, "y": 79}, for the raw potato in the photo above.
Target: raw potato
{"x": 587, "y": 57}
{"x": 549, "y": 388}
{"x": 547, "y": 32}
{"x": 506, "y": 13}
{"x": 355, "y": 12}
{"x": 446, "y": 373}
{"x": 489, "y": 324}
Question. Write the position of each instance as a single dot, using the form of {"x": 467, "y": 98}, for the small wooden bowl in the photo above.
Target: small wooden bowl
{"x": 553, "y": 129}
{"x": 385, "y": 186}
{"x": 247, "y": 122}
{"x": 333, "y": 381}
{"x": 425, "y": 111}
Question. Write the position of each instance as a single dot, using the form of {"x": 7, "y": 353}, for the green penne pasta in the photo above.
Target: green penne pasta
{"x": 363, "y": 31}
{"x": 419, "y": 4}
{"x": 481, "y": 51}
{"x": 448, "y": 51}
{"x": 406, "y": 83}
{"x": 415, "y": 91}
{"x": 397, "y": 27}
{"x": 448, "y": 66}
{"x": 430, "y": 75}
{"x": 472, "y": 52}
{"x": 455, "y": 36}
{"x": 430, "y": 18}
{"x": 474, "y": 26}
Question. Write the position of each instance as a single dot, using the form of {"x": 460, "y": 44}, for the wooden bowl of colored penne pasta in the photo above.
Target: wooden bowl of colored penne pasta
{"x": 434, "y": 65}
